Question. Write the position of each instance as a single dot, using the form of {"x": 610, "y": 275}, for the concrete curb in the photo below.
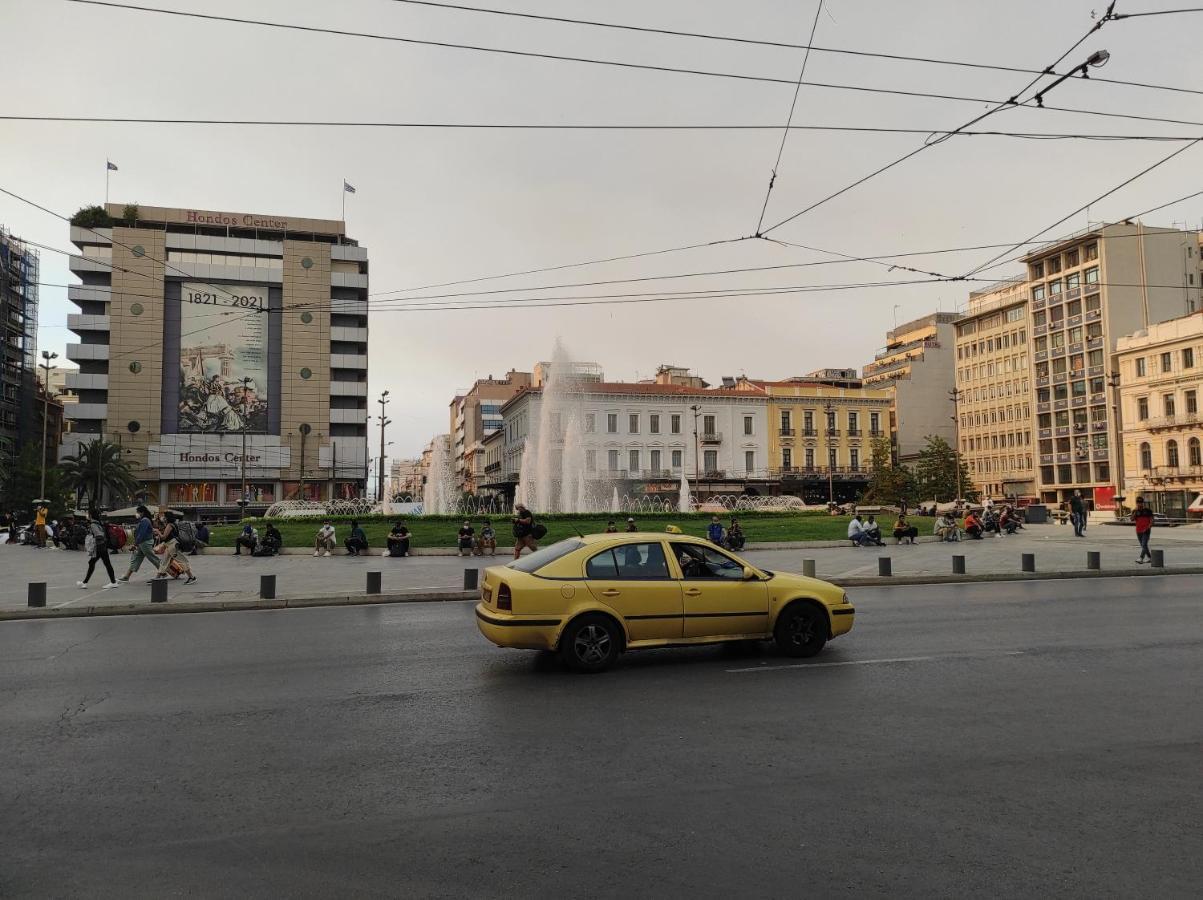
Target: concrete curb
{"x": 504, "y": 557}
{"x": 129, "y": 609}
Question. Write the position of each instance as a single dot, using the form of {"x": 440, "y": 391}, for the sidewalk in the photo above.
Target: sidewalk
{"x": 226, "y": 581}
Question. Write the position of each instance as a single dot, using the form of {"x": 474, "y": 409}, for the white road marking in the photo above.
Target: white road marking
{"x": 851, "y": 662}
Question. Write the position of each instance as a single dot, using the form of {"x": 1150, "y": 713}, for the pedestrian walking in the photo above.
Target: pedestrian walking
{"x": 144, "y": 544}
{"x": 524, "y": 530}
{"x": 173, "y": 552}
{"x": 323, "y": 541}
{"x": 1077, "y": 514}
{"x": 1142, "y": 518}
{"x": 96, "y": 545}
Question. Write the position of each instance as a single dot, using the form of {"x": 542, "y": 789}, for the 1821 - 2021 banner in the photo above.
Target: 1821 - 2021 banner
{"x": 224, "y": 384}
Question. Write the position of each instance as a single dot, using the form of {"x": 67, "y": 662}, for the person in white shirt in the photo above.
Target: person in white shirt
{"x": 856, "y": 532}
{"x": 324, "y": 540}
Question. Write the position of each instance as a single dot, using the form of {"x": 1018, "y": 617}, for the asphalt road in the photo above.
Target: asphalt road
{"x": 1004, "y": 740}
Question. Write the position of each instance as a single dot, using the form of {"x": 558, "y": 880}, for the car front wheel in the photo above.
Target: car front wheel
{"x": 801, "y": 630}
{"x": 590, "y": 644}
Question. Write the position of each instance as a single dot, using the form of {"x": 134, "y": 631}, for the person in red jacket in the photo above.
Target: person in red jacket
{"x": 1142, "y": 518}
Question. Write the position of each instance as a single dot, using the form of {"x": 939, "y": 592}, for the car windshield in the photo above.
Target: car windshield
{"x": 540, "y": 558}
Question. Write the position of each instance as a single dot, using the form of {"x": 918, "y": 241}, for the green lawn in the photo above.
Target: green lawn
{"x": 440, "y": 531}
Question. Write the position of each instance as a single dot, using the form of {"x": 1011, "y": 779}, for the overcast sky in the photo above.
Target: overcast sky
{"x": 437, "y": 206}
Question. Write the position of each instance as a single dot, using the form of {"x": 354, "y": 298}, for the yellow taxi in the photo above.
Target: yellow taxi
{"x": 590, "y": 598}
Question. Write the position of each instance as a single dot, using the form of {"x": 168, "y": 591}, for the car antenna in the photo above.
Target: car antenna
{"x": 578, "y": 531}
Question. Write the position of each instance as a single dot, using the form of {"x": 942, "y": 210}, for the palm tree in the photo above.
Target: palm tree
{"x": 98, "y": 468}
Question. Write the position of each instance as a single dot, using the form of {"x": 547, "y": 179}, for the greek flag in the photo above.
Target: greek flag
{"x": 346, "y": 187}
{"x": 111, "y": 167}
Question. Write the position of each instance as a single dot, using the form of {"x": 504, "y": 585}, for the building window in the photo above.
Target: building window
{"x": 1037, "y": 270}
{"x": 1167, "y": 362}
{"x": 749, "y": 460}
{"x": 1192, "y": 448}
{"x": 1142, "y": 408}
{"x": 875, "y": 423}
{"x": 808, "y": 421}
{"x": 633, "y": 423}
{"x": 710, "y": 460}
{"x": 612, "y": 423}
{"x": 676, "y": 458}
{"x": 787, "y": 458}
{"x": 1141, "y": 368}
{"x": 810, "y": 458}
{"x": 853, "y": 423}
{"x": 1188, "y": 358}
{"x": 747, "y": 424}
{"x": 1038, "y": 291}
{"x": 655, "y": 461}
{"x": 1092, "y": 252}
{"x": 1192, "y": 402}
{"x": 1054, "y": 264}
{"x": 590, "y": 423}
{"x": 590, "y": 460}
{"x": 653, "y": 423}
{"x": 674, "y": 423}
{"x": 612, "y": 460}
{"x": 1146, "y": 457}
{"x": 633, "y": 462}
{"x": 854, "y": 458}
{"x": 831, "y": 457}
{"x": 1171, "y": 454}
{"x": 708, "y": 425}
{"x": 785, "y": 421}
{"x": 1071, "y": 258}
{"x": 1091, "y": 276}
{"x": 1167, "y": 403}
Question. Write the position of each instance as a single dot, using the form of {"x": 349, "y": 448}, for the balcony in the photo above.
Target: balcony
{"x": 1040, "y": 355}
{"x": 1039, "y": 330}
{"x": 1099, "y": 454}
{"x": 86, "y": 410}
{"x": 876, "y": 432}
{"x": 854, "y": 432}
{"x": 348, "y": 389}
{"x": 1094, "y": 343}
{"x": 1042, "y": 381}
{"x": 809, "y": 432}
{"x": 1093, "y": 315}
{"x": 1039, "y": 304}
{"x": 1176, "y": 471}
{"x": 1074, "y": 320}
{"x": 87, "y": 264}
{"x": 1044, "y": 407}
{"x": 1061, "y": 378}
{"x": 1062, "y": 431}
{"x": 1064, "y": 457}
{"x": 1078, "y": 401}
{"x": 78, "y": 322}
{"x": 1167, "y": 422}
{"x": 1076, "y": 348}
{"x": 355, "y": 361}
{"x": 1098, "y": 426}
{"x": 1057, "y": 351}
{"x": 77, "y": 382}
{"x": 1079, "y": 427}
{"x": 348, "y": 416}
{"x": 1060, "y": 404}
{"x": 1044, "y": 433}
{"x": 711, "y": 437}
{"x": 832, "y": 432}
{"x": 1098, "y": 399}
{"x": 1073, "y": 293}
{"x": 786, "y": 432}
{"x": 348, "y": 334}
{"x": 81, "y": 352}
{"x": 1046, "y": 459}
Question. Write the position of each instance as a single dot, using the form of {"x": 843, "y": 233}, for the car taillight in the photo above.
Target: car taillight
{"x": 504, "y": 601}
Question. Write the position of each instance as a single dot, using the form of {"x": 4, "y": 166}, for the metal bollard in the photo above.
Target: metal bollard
{"x": 373, "y": 582}
{"x": 958, "y": 565}
{"x": 158, "y": 590}
{"x": 37, "y": 594}
{"x": 1029, "y": 562}
{"x": 884, "y": 566}
{"x": 808, "y": 568}
{"x": 267, "y": 587}
{"x": 471, "y": 577}
{"x": 1158, "y": 560}
{"x": 1094, "y": 560}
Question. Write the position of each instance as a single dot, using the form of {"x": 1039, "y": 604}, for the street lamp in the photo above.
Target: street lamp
{"x": 47, "y": 356}
{"x": 830, "y": 410}
{"x": 955, "y": 395}
{"x": 1117, "y": 453}
{"x": 384, "y": 421}
{"x": 244, "y": 500}
{"x": 697, "y": 451}
{"x": 1096, "y": 60}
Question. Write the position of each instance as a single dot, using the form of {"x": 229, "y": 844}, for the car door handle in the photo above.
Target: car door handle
{"x": 611, "y": 593}
{"x": 693, "y": 592}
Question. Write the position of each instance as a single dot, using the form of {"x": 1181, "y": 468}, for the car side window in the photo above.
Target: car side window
{"x": 698, "y": 562}
{"x": 645, "y": 561}
{"x": 602, "y": 566}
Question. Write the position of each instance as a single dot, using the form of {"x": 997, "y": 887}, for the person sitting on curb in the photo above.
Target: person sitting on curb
{"x": 357, "y": 543}
{"x": 398, "y": 540}
{"x": 324, "y": 540}
{"x": 465, "y": 539}
{"x": 486, "y": 540}
{"x": 735, "y": 535}
{"x": 873, "y": 532}
{"x": 973, "y": 526}
{"x": 856, "y": 532}
{"x": 611, "y": 528}
{"x": 946, "y": 528}
{"x": 631, "y": 526}
{"x": 904, "y": 530}
{"x": 715, "y": 532}
{"x": 249, "y": 539}
{"x": 272, "y": 541}
{"x": 202, "y": 538}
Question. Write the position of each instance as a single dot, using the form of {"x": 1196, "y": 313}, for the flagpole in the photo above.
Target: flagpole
{"x": 344, "y": 213}
{"x": 106, "y": 184}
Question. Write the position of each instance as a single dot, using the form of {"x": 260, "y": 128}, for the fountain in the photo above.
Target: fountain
{"x": 684, "y": 501}
{"x": 439, "y": 494}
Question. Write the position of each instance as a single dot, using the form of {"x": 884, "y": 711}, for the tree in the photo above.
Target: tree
{"x": 21, "y": 484}
{"x": 100, "y": 469}
{"x": 91, "y": 217}
{"x": 889, "y": 483}
{"x": 940, "y": 472}
{"x": 129, "y": 214}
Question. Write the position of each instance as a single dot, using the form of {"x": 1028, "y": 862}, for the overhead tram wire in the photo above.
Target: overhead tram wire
{"x": 1086, "y": 206}
{"x": 1006, "y": 104}
{"x": 313, "y": 29}
{"x": 784, "y": 45}
{"x": 790, "y": 118}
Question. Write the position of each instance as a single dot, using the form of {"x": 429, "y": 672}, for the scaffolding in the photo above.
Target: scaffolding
{"x": 19, "y": 417}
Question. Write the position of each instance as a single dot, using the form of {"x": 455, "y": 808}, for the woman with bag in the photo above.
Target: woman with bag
{"x": 171, "y": 551}
{"x": 96, "y": 544}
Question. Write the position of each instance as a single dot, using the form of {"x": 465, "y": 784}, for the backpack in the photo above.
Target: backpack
{"x": 539, "y": 531}
{"x": 117, "y": 537}
{"x": 186, "y": 535}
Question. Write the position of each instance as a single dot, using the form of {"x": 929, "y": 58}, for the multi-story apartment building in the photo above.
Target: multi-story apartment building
{"x": 820, "y": 432}
{"x": 405, "y": 478}
{"x": 994, "y": 392}
{"x": 476, "y": 413}
{"x": 213, "y": 343}
{"x": 917, "y": 363}
{"x": 20, "y": 421}
{"x": 1086, "y": 291}
{"x": 1161, "y": 381}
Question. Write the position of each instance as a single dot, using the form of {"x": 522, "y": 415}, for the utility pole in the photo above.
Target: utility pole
{"x": 955, "y": 395}
{"x": 244, "y": 500}
{"x": 304, "y": 429}
{"x": 47, "y": 356}
{"x": 383, "y": 401}
{"x": 1118, "y": 452}
{"x": 697, "y": 451}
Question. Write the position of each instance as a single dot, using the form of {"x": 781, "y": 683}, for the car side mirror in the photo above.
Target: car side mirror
{"x": 750, "y": 574}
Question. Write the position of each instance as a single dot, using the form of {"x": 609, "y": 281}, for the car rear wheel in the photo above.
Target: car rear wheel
{"x": 801, "y": 630}
{"x": 590, "y": 644}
